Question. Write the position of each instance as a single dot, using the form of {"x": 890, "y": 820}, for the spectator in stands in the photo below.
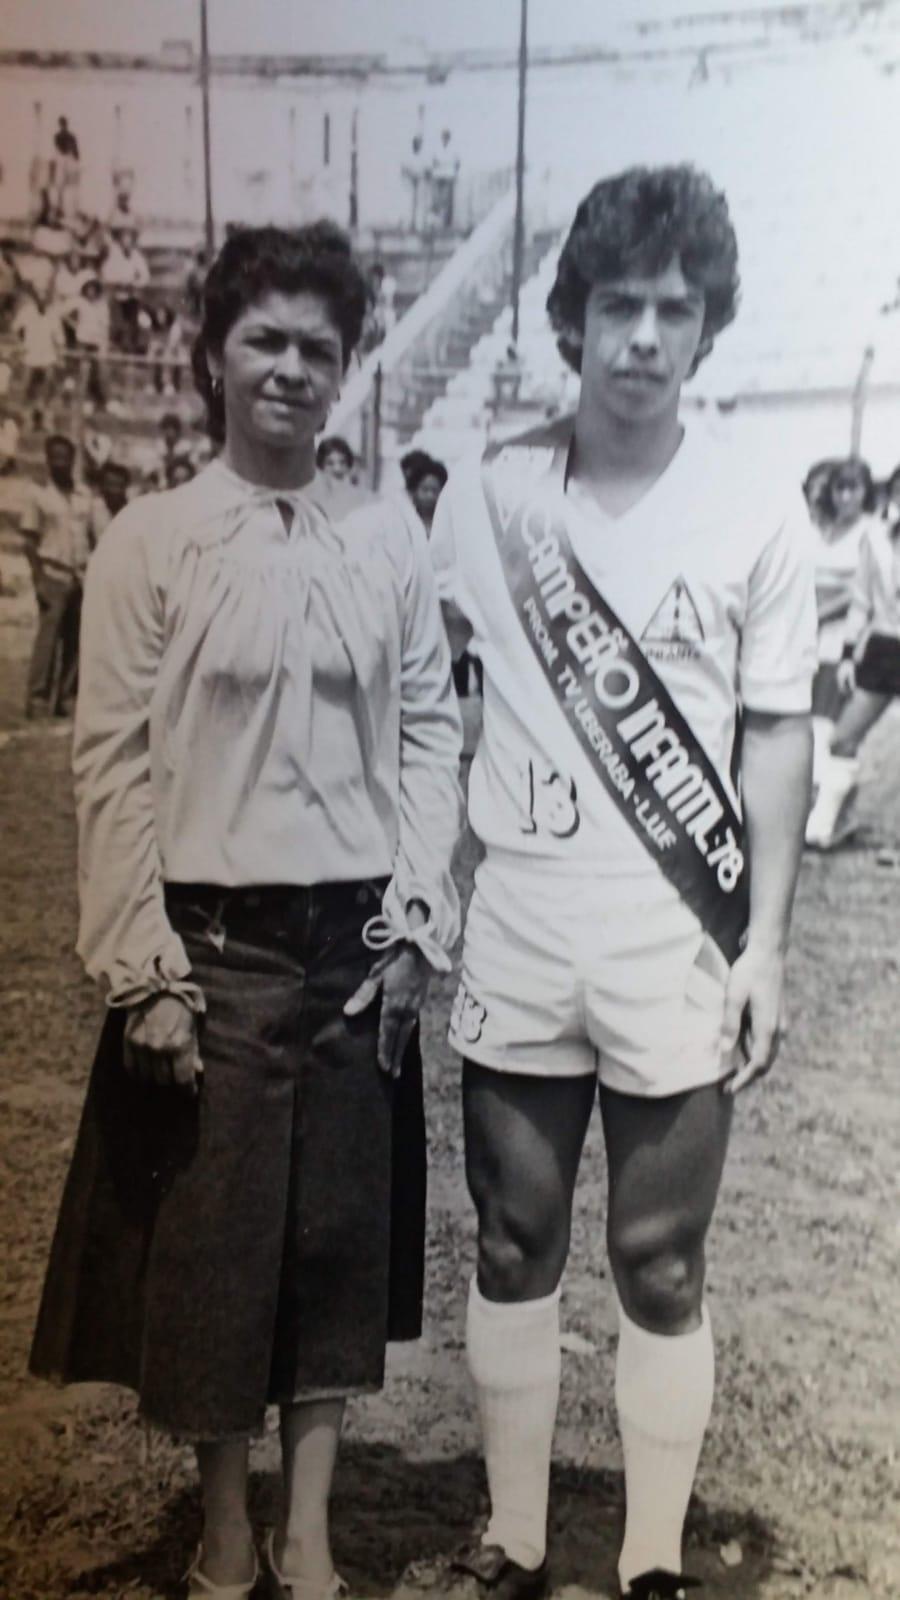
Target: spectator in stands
{"x": 171, "y": 447}
{"x": 167, "y": 349}
{"x": 845, "y": 508}
{"x": 91, "y": 323}
{"x": 416, "y": 174}
{"x": 193, "y": 286}
{"x": 125, "y": 265}
{"x": 65, "y": 142}
{"x": 334, "y": 457}
{"x": 50, "y": 236}
{"x": 39, "y": 327}
{"x": 443, "y": 174}
{"x": 70, "y": 277}
{"x": 379, "y": 317}
{"x": 125, "y": 272}
{"x": 67, "y": 165}
{"x": 111, "y": 498}
{"x": 9, "y": 282}
{"x": 54, "y": 526}
{"x": 9, "y": 444}
{"x": 384, "y": 289}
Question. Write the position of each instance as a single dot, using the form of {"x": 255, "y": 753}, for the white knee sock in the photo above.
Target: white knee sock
{"x": 839, "y": 778}
{"x": 664, "y": 1390}
{"x": 514, "y": 1359}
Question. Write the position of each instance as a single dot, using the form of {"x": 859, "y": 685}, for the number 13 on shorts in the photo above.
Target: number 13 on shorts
{"x": 549, "y": 800}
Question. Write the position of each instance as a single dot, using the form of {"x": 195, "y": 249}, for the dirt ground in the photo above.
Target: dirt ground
{"x": 798, "y": 1486}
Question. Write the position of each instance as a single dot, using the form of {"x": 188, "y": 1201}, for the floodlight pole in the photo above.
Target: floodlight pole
{"x": 519, "y": 224}
{"x": 209, "y": 232}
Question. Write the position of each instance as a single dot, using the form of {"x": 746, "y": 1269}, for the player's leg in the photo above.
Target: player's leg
{"x": 665, "y": 1159}
{"x": 524, "y": 1136}
{"x": 840, "y": 777}
{"x": 858, "y": 717}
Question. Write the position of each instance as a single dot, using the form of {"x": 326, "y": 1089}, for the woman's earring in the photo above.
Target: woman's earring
{"x": 217, "y": 388}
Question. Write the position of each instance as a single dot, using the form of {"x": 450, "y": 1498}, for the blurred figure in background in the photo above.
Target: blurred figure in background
{"x": 444, "y": 172}
{"x": 415, "y": 173}
{"x": 54, "y": 526}
{"x": 868, "y": 673}
{"x": 334, "y": 457}
{"x": 111, "y": 498}
{"x": 424, "y": 478}
{"x": 90, "y": 323}
{"x": 38, "y": 326}
{"x": 841, "y": 505}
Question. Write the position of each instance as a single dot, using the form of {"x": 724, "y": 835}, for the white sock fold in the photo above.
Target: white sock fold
{"x": 664, "y": 1392}
{"x": 514, "y": 1359}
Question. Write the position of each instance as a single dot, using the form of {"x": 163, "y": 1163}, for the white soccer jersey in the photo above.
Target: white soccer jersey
{"x": 709, "y": 573}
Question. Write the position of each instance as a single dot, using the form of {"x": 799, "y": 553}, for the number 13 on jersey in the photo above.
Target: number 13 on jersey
{"x": 549, "y": 801}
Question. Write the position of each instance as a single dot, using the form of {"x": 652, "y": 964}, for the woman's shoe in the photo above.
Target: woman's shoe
{"x": 200, "y": 1587}
{"x": 281, "y": 1587}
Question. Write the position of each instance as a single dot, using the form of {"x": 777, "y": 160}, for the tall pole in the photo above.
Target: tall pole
{"x": 354, "y": 170}
{"x": 209, "y": 232}
{"x": 519, "y": 225}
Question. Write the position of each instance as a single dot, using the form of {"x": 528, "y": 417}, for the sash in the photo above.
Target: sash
{"x": 636, "y": 740}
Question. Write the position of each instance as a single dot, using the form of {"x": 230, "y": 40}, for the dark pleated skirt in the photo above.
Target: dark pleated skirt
{"x": 258, "y": 1243}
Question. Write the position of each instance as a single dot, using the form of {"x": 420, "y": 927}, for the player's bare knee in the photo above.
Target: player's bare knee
{"x": 659, "y": 1277}
{"x": 519, "y": 1257}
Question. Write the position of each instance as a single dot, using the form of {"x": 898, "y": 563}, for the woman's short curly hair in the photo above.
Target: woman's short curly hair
{"x": 637, "y": 223}
{"x": 255, "y": 261}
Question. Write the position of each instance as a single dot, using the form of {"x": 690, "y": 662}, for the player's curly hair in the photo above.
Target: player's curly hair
{"x": 255, "y": 261}
{"x": 638, "y": 223}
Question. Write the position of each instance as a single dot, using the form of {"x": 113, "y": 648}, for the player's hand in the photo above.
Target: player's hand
{"x": 161, "y": 1043}
{"x": 401, "y": 977}
{"x": 752, "y": 1018}
{"x": 846, "y": 677}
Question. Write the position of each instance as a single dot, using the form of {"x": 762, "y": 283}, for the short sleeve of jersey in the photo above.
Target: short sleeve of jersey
{"x": 778, "y": 645}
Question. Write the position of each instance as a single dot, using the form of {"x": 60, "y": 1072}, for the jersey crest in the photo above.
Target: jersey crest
{"x": 675, "y": 628}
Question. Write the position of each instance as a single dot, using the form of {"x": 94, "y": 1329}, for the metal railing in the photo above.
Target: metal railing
{"x": 421, "y": 341}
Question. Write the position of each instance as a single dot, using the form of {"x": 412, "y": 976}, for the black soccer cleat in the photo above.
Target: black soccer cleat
{"x": 498, "y": 1575}
{"x": 660, "y": 1585}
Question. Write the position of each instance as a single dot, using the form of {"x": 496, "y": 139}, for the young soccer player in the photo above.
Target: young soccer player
{"x": 634, "y": 591}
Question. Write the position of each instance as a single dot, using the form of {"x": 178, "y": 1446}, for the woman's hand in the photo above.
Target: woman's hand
{"x": 161, "y": 1043}
{"x": 401, "y": 975}
{"x": 846, "y": 677}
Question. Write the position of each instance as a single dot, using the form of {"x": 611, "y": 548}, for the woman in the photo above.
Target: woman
{"x": 265, "y": 759}
{"x": 424, "y": 478}
{"x": 840, "y": 512}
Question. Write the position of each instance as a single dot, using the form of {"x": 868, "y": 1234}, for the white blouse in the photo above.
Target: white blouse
{"x": 258, "y": 706}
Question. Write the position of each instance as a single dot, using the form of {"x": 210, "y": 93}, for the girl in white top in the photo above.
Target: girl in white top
{"x": 265, "y": 759}
{"x": 873, "y": 612}
{"x": 840, "y": 512}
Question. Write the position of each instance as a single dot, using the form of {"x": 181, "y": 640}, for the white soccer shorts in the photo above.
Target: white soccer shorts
{"x": 565, "y": 975}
